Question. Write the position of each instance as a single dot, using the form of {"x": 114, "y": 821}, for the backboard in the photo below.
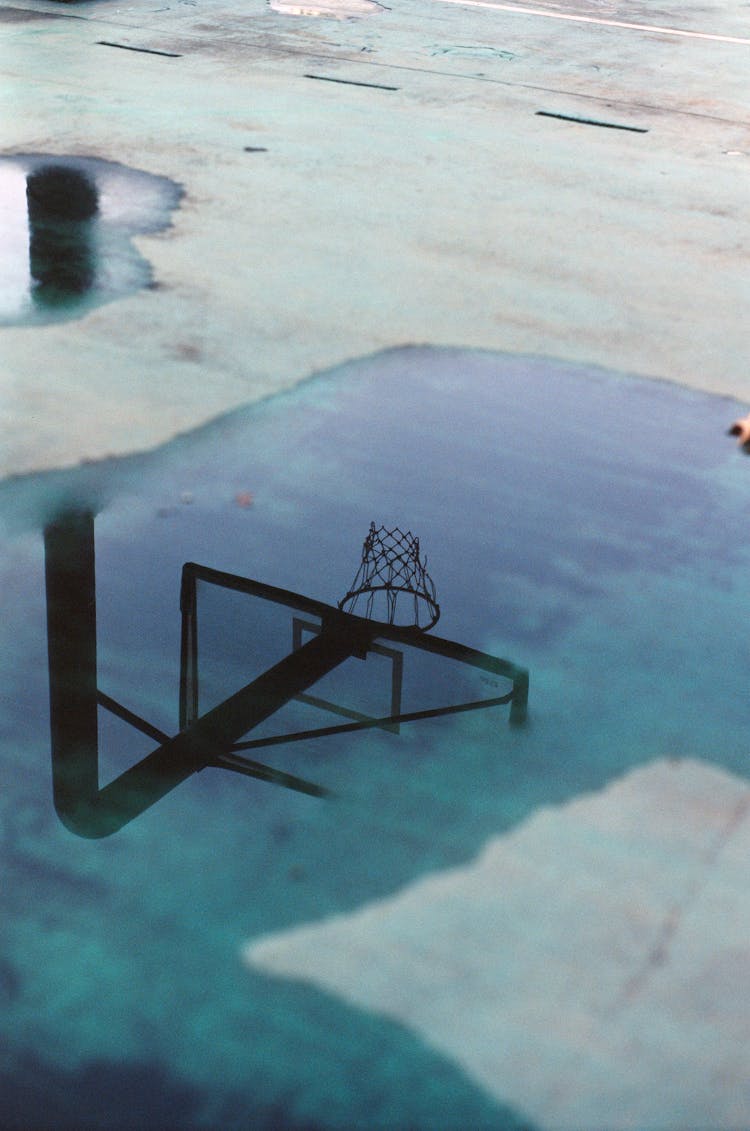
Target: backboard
{"x": 234, "y": 628}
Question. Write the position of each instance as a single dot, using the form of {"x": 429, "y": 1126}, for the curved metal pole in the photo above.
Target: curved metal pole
{"x": 82, "y": 806}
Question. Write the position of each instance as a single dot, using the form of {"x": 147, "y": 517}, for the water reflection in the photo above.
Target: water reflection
{"x": 211, "y": 738}
{"x": 66, "y": 233}
{"x": 608, "y": 560}
{"x": 62, "y": 204}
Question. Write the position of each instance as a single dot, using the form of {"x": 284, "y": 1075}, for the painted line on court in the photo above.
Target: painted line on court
{"x": 597, "y": 20}
{"x": 590, "y": 122}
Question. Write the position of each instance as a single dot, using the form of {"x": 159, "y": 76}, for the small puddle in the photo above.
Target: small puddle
{"x": 331, "y": 9}
{"x": 66, "y": 232}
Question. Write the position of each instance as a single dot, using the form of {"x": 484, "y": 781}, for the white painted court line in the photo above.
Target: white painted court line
{"x": 595, "y": 20}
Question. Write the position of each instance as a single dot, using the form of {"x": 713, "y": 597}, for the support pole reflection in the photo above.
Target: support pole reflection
{"x": 82, "y": 806}
{"x": 62, "y": 203}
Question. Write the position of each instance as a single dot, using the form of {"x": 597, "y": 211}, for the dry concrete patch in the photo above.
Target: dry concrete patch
{"x": 446, "y": 211}
{"x": 587, "y": 967}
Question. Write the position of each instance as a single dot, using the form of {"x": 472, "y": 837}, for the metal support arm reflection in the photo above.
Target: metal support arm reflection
{"x": 82, "y": 806}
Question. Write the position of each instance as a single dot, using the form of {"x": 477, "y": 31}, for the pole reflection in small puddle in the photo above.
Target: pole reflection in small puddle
{"x": 63, "y": 203}
{"x": 67, "y": 225}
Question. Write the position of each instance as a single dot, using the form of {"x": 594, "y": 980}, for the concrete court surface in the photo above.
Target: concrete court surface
{"x": 326, "y": 220}
{"x": 433, "y": 205}
{"x": 636, "y": 877}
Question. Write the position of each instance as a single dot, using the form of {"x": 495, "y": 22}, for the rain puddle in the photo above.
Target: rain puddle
{"x": 67, "y": 226}
{"x": 588, "y": 527}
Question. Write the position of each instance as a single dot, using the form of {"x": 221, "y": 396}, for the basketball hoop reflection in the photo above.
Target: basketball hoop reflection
{"x": 391, "y": 576}
{"x": 212, "y": 738}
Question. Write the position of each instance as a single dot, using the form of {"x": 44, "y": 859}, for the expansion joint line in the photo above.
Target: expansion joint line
{"x": 659, "y": 952}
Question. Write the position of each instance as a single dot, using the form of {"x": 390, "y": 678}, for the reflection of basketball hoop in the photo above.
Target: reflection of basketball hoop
{"x": 391, "y": 568}
{"x": 323, "y": 640}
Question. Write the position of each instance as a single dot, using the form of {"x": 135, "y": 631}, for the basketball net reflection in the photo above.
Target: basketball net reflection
{"x": 210, "y": 739}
